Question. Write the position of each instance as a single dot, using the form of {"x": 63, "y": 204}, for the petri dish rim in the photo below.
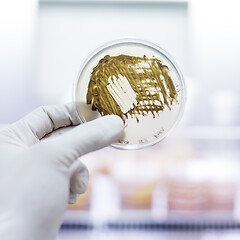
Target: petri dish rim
{"x": 153, "y": 46}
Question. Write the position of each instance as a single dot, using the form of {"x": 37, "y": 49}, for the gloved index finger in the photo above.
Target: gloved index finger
{"x": 82, "y": 139}
{"x": 43, "y": 121}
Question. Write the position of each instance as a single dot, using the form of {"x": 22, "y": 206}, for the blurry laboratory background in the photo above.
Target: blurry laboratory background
{"x": 187, "y": 186}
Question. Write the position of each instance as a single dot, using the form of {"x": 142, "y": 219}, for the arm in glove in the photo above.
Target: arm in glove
{"x": 38, "y": 178}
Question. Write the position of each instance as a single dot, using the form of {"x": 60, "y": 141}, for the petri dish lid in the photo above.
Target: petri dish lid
{"x": 136, "y": 80}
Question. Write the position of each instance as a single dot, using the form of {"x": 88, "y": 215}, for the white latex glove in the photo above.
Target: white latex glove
{"x": 38, "y": 178}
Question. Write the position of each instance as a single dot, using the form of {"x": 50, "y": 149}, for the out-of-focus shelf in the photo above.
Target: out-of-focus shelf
{"x": 149, "y": 216}
{"x": 141, "y": 220}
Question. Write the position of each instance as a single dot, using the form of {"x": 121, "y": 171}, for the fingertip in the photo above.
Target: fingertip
{"x": 115, "y": 121}
{"x": 79, "y": 177}
{"x": 113, "y": 127}
{"x": 73, "y": 197}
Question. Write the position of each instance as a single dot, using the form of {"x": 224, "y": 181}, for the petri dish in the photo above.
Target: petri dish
{"x": 136, "y": 80}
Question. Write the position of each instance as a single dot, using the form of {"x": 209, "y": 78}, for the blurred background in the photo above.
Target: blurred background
{"x": 186, "y": 187}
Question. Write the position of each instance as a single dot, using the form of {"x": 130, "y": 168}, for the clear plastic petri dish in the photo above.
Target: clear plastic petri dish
{"x": 136, "y": 80}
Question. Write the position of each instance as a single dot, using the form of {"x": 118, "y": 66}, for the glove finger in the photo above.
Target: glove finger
{"x": 88, "y": 137}
{"x": 79, "y": 177}
{"x": 42, "y": 121}
{"x": 73, "y": 197}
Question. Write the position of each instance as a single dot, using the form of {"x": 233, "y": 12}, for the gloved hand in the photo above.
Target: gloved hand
{"x": 39, "y": 177}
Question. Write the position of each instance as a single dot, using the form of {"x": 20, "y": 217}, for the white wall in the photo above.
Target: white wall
{"x": 69, "y": 32}
{"x": 215, "y": 56}
{"x": 17, "y": 31}
{"x": 204, "y": 39}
